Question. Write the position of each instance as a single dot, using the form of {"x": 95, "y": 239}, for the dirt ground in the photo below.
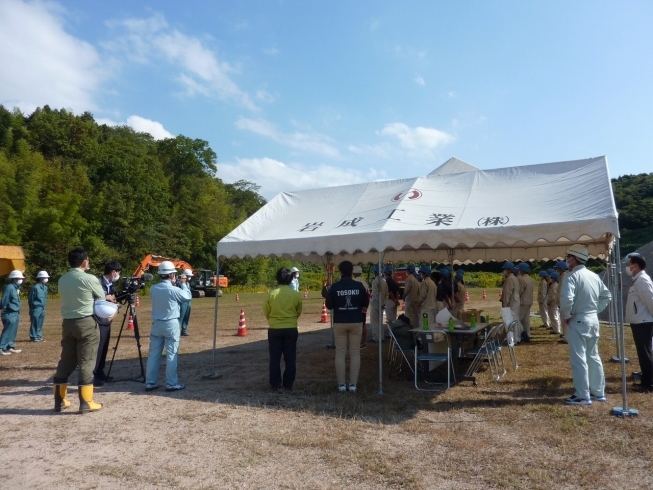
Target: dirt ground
{"x": 235, "y": 433}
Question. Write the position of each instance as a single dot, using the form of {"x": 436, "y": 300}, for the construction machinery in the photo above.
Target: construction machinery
{"x": 11, "y": 258}
{"x": 203, "y": 283}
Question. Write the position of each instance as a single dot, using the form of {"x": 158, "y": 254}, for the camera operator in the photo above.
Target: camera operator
{"x": 79, "y": 332}
{"x": 165, "y": 328}
{"x": 111, "y": 275}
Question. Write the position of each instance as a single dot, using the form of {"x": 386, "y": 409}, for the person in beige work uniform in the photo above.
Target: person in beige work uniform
{"x": 427, "y": 295}
{"x": 526, "y": 288}
{"x": 378, "y": 286}
{"x": 411, "y": 296}
{"x": 541, "y": 298}
{"x": 510, "y": 296}
{"x": 80, "y": 332}
{"x": 561, "y": 269}
{"x": 552, "y": 303}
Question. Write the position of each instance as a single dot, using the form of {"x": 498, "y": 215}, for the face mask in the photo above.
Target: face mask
{"x": 19, "y": 282}
{"x": 45, "y": 281}
{"x": 115, "y": 278}
{"x": 629, "y": 272}
{"x": 568, "y": 262}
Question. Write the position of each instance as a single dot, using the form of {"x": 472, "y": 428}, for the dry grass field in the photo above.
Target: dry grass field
{"x": 235, "y": 433}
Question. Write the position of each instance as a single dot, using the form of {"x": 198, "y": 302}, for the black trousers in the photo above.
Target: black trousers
{"x": 643, "y": 336}
{"x": 103, "y": 348}
{"x": 282, "y": 341}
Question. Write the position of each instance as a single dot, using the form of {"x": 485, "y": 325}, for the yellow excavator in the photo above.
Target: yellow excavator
{"x": 11, "y": 258}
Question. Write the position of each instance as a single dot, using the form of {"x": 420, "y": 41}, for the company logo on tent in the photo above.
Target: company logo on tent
{"x": 411, "y": 195}
{"x": 493, "y": 221}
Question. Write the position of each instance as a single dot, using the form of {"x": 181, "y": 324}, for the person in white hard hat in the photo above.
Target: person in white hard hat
{"x": 36, "y": 299}
{"x": 165, "y": 328}
{"x": 294, "y": 284}
{"x": 185, "y": 307}
{"x": 582, "y": 297}
{"x": 10, "y": 305}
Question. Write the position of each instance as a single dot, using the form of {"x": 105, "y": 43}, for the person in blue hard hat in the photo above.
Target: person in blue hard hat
{"x": 510, "y": 297}
{"x": 447, "y": 288}
{"x": 552, "y": 303}
{"x": 392, "y": 302}
{"x": 542, "y": 288}
{"x": 526, "y": 289}
{"x": 582, "y": 297}
{"x": 411, "y": 297}
{"x": 427, "y": 295}
{"x": 378, "y": 298}
{"x": 561, "y": 269}
{"x": 459, "y": 294}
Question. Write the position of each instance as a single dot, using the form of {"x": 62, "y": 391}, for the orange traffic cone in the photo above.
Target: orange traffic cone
{"x": 130, "y": 324}
{"x": 484, "y": 294}
{"x": 467, "y": 296}
{"x": 237, "y": 297}
{"x": 242, "y": 325}
{"x": 138, "y": 302}
{"x": 306, "y": 294}
{"x": 325, "y": 315}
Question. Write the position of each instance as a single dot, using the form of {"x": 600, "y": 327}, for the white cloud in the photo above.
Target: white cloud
{"x": 420, "y": 81}
{"x": 141, "y": 125}
{"x": 274, "y": 176}
{"x": 265, "y": 96}
{"x": 151, "y": 40}
{"x": 307, "y": 141}
{"x": 418, "y": 139}
{"x": 41, "y": 63}
{"x": 271, "y": 51}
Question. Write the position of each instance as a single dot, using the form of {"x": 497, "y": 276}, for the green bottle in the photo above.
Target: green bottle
{"x": 452, "y": 324}
{"x": 425, "y": 321}
{"x": 473, "y": 321}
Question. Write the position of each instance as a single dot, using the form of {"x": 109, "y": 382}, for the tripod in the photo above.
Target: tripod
{"x": 131, "y": 310}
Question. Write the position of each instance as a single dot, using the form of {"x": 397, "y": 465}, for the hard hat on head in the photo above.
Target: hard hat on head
{"x": 580, "y": 252}
{"x": 294, "y": 269}
{"x": 388, "y": 269}
{"x": 16, "y": 274}
{"x": 376, "y": 269}
{"x": 524, "y": 267}
{"x": 188, "y": 273}
{"x": 357, "y": 269}
{"x": 411, "y": 268}
{"x": 167, "y": 267}
{"x": 445, "y": 272}
{"x": 555, "y": 276}
{"x": 543, "y": 274}
{"x": 508, "y": 265}
{"x": 550, "y": 271}
{"x": 425, "y": 269}
{"x": 42, "y": 275}
{"x": 562, "y": 265}
{"x": 459, "y": 274}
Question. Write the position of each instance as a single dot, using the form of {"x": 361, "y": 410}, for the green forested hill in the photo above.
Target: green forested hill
{"x": 633, "y": 196}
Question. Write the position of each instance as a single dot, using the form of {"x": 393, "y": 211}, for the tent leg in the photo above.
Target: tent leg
{"x": 615, "y": 305}
{"x": 381, "y": 333}
{"x": 623, "y": 410}
{"x": 332, "y": 344}
{"x": 213, "y": 374}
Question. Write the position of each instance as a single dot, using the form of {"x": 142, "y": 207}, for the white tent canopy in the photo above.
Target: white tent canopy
{"x": 453, "y": 166}
{"x": 531, "y": 212}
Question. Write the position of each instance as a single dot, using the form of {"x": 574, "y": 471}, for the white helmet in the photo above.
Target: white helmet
{"x": 188, "y": 273}
{"x": 294, "y": 269}
{"x": 104, "y": 309}
{"x": 16, "y": 275}
{"x": 167, "y": 267}
{"x": 42, "y": 274}
{"x": 580, "y": 252}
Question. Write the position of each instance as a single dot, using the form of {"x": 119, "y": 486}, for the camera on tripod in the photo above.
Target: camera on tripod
{"x": 130, "y": 286}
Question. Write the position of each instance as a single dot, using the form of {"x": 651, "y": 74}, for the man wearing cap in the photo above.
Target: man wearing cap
{"x": 357, "y": 275}
{"x": 526, "y": 288}
{"x": 541, "y": 298}
{"x": 185, "y": 306}
{"x": 447, "y": 289}
{"x": 379, "y": 297}
{"x": 639, "y": 313}
{"x": 166, "y": 299}
{"x": 294, "y": 284}
{"x": 112, "y": 270}
{"x": 393, "y": 296}
{"x": 427, "y": 295}
{"x": 510, "y": 296}
{"x": 552, "y": 303}
{"x": 36, "y": 300}
{"x": 80, "y": 335}
{"x": 10, "y": 306}
{"x": 411, "y": 297}
{"x": 561, "y": 269}
{"x": 582, "y": 297}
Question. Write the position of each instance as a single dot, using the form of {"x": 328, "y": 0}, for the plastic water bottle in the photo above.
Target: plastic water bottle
{"x": 473, "y": 321}
{"x": 425, "y": 321}
{"x": 452, "y": 324}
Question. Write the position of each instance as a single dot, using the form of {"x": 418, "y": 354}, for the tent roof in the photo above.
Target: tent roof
{"x": 453, "y": 166}
{"x": 531, "y": 212}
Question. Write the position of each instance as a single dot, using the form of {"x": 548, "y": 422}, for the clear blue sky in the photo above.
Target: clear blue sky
{"x": 302, "y": 94}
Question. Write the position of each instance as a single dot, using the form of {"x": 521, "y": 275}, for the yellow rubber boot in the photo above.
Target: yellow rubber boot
{"x": 60, "y": 401}
{"x": 86, "y": 403}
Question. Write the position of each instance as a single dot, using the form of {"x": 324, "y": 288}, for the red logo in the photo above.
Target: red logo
{"x": 411, "y": 195}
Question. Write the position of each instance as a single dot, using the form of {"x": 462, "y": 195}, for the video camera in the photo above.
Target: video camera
{"x": 131, "y": 285}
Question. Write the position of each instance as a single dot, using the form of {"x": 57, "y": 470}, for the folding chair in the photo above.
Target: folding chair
{"x": 398, "y": 354}
{"x": 486, "y": 351}
{"x": 511, "y": 343}
{"x": 499, "y": 340}
{"x": 439, "y": 340}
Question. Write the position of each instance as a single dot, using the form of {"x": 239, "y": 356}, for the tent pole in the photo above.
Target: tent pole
{"x": 380, "y": 325}
{"x": 213, "y": 374}
{"x": 623, "y": 410}
{"x": 332, "y": 344}
{"x": 616, "y": 304}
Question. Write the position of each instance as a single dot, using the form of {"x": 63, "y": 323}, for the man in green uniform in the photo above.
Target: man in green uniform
{"x": 37, "y": 298}
{"x": 10, "y": 306}
{"x": 80, "y": 333}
